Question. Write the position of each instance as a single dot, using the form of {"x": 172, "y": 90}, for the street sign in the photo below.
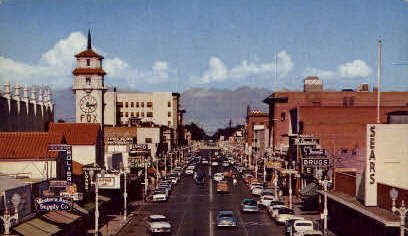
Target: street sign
{"x": 89, "y": 168}
{"x": 58, "y": 183}
{"x": 53, "y": 204}
{"x": 315, "y": 162}
{"x": 138, "y": 162}
{"x": 73, "y": 196}
{"x": 109, "y": 181}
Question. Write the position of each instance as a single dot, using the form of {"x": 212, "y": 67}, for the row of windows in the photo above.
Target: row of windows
{"x": 142, "y": 104}
{"x": 135, "y": 114}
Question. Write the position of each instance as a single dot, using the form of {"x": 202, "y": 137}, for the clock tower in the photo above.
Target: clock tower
{"x": 89, "y": 86}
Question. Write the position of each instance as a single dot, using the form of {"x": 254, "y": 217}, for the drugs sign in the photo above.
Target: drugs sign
{"x": 318, "y": 162}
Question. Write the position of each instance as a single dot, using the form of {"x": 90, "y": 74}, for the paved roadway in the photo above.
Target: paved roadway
{"x": 192, "y": 209}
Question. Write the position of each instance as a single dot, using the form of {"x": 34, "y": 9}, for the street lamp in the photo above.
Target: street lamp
{"x": 402, "y": 210}
{"x": 92, "y": 173}
{"x": 7, "y": 218}
{"x": 124, "y": 171}
{"x": 275, "y": 180}
{"x": 325, "y": 183}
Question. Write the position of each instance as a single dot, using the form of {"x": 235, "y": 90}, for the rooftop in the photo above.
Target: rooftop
{"x": 76, "y": 133}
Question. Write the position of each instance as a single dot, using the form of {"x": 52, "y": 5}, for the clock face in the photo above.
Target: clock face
{"x": 88, "y": 104}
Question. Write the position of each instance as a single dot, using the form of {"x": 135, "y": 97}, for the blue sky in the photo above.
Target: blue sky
{"x": 175, "y": 45}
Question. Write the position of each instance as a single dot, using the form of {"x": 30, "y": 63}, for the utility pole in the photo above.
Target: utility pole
{"x": 379, "y": 48}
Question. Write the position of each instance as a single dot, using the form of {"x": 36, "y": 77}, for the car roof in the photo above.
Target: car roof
{"x": 225, "y": 212}
{"x": 157, "y": 217}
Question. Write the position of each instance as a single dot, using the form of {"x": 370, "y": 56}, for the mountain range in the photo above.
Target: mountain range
{"x": 209, "y": 108}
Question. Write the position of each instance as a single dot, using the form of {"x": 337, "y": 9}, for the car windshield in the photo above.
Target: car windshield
{"x": 303, "y": 224}
{"x": 286, "y": 211}
{"x": 250, "y": 202}
{"x": 225, "y": 215}
{"x": 157, "y": 219}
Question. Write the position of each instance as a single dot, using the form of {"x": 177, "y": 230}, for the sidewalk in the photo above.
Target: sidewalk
{"x": 310, "y": 215}
{"x": 117, "y": 223}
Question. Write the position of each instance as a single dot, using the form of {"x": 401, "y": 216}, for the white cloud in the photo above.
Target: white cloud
{"x": 355, "y": 69}
{"x": 218, "y": 72}
{"x": 55, "y": 66}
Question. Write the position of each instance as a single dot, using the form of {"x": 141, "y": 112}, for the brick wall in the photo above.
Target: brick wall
{"x": 256, "y": 119}
{"x": 383, "y": 196}
{"x": 345, "y": 182}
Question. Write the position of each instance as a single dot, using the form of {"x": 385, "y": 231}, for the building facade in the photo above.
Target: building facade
{"x": 337, "y": 118}
{"x": 89, "y": 87}
{"x": 30, "y": 110}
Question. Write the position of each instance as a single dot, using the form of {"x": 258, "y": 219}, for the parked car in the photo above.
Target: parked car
{"x": 218, "y": 176}
{"x": 249, "y": 205}
{"x": 226, "y": 218}
{"x": 158, "y": 224}
{"x": 214, "y": 163}
{"x": 284, "y": 214}
{"x": 289, "y": 225}
{"x": 310, "y": 233}
{"x": 228, "y": 173}
{"x": 225, "y": 163}
{"x": 273, "y": 210}
{"x": 190, "y": 170}
{"x": 257, "y": 190}
{"x": 159, "y": 195}
{"x": 222, "y": 187}
{"x": 300, "y": 226}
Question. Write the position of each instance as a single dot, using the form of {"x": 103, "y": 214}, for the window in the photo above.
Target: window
{"x": 132, "y": 114}
{"x": 148, "y": 140}
{"x": 169, "y": 114}
{"x": 88, "y": 81}
{"x": 126, "y": 104}
{"x": 137, "y": 104}
{"x": 137, "y": 114}
{"x": 132, "y": 104}
{"x": 127, "y": 114}
{"x": 169, "y": 104}
{"x": 149, "y": 104}
{"x": 149, "y": 114}
{"x": 283, "y": 116}
{"x": 142, "y": 114}
{"x": 88, "y": 62}
{"x": 169, "y": 123}
{"x": 121, "y": 114}
{"x": 142, "y": 104}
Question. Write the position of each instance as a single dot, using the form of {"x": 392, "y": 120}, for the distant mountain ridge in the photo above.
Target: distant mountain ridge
{"x": 210, "y": 108}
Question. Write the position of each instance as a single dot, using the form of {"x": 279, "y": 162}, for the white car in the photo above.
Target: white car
{"x": 257, "y": 190}
{"x": 214, "y": 163}
{"x": 204, "y": 161}
{"x": 273, "y": 210}
{"x": 266, "y": 200}
{"x": 189, "y": 170}
{"x": 284, "y": 214}
{"x": 158, "y": 224}
{"x": 255, "y": 185}
{"x": 159, "y": 196}
{"x": 310, "y": 233}
{"x": 225, "y": 164}
{"x": 218, "y": 176}
{"x": 300, "y": 226}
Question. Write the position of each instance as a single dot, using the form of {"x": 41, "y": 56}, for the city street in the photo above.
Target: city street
{"x": 192, "y": 209}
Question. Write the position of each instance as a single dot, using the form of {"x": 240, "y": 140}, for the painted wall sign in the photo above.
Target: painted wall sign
{"x": 73, "y": 196}
{"x": 119, "y": 140}
{"x": 53, "y": 204}
{"x": 137, "y": 162}
{"x": 58, "y": 184}
{"x": 138, "y": 147}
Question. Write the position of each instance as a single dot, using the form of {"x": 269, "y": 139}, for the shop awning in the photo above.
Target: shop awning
{"x": 37, "y": 227}
{"x": 61, "y": 217}
{"x": 80, "y": 209}
{"x": 89, "y": 206}
{"x": 309, "y": 190}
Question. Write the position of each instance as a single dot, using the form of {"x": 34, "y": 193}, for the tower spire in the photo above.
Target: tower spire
{"x": 89, "y": 47}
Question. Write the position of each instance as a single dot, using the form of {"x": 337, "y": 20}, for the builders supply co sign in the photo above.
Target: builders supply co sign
{"x": 68, "y": 158}
{"x": 53, "y": 204}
